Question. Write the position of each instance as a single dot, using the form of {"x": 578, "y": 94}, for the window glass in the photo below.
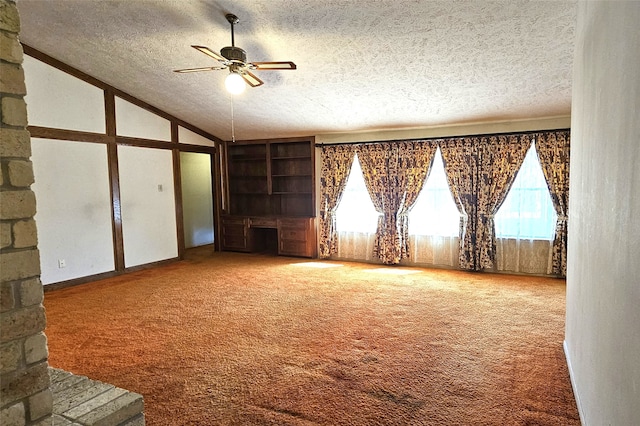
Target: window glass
{"x": 435, "y": 212}
{"x": 356, "y": 213}
{"x": 527, "y": 212}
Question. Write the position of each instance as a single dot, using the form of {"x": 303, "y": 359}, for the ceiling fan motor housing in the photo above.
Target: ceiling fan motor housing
{"x": 233, "y": 53}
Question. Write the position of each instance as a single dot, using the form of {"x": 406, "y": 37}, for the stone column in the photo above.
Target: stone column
{"x": 25, "y": 396}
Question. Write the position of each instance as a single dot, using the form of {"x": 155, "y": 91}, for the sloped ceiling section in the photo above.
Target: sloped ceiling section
{"x": 362, "y": 65}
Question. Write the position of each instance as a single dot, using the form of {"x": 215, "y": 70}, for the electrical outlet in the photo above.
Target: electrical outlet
{"x": 62, "y": 263}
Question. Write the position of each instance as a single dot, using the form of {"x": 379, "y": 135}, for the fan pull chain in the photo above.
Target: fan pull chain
{"x": 233, "y": 127}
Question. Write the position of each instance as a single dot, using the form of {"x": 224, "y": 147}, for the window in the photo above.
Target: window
{"x": 356, "y": 213}
{"x": 527, "y": 212}
{"x": 435, "y": 212}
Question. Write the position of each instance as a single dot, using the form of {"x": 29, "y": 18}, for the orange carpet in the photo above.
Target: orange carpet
{"x": 247, "y": 339}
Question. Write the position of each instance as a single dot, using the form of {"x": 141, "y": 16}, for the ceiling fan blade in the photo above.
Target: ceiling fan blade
{"x": 209, "y": 52}
{"x": 185, "y": 70}
{"x": 286, "y": 65}
{"x": 251, "y": 79}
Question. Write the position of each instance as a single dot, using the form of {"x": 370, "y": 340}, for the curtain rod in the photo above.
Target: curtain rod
{"x": 526, "y": 132}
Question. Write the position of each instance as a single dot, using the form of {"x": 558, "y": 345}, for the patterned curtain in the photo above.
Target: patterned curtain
{"x": 415, "y": 160}
{"x": 460, "y": 159}
{"x": 553, "y": 154}
{"x": 336, "y": 166}
{"x": 394, "y": 174}
{"x": 500, "y": 159}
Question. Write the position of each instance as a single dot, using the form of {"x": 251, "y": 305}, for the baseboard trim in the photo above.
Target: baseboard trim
{"x": 78, "y": 281}
{"x": 92, "y": 278}
{"x": 576, "y": 395}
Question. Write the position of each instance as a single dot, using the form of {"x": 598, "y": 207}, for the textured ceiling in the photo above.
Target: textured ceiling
{"x": 363, "y": 65}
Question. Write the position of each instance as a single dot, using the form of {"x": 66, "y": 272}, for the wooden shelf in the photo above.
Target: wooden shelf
{"x": 247, "y": 193}
{"x": 243, "y": 158}
{"x": 280, "y": 173}
{"x": 296, "y": 157}
{"x": 302, "y": 194}
{"x": 270, "y": 185}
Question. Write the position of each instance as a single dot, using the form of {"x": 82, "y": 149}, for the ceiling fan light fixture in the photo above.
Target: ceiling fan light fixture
{"x": 235, "y": 83}
{"x": 235, "y": 58}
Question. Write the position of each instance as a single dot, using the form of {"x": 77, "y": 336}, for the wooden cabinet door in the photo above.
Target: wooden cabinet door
{"x": 235, "y": 234}
{"x": 296, "y": 237}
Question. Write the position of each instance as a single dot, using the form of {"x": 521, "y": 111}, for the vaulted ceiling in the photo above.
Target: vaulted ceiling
{"x": 363, "y": 65}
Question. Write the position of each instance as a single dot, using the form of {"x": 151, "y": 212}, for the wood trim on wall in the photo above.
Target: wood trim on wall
{"x": 112, "y": 140}
{"x": 116, "y": 210}
{"x": 216, "y": 188}
{"x": 43, "y": 57}
{"x": 114, "y": 180}
{"x": 197, "y": 148}
{"x": 224, "y": 181}
{"x": 145, "y": 143}
{"x": 69, "y": 135}
{"x": 177, "y": 193}
{"x": 110, "y": 112}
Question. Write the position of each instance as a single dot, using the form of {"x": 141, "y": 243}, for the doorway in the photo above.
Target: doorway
{"x": 197, "y": 199}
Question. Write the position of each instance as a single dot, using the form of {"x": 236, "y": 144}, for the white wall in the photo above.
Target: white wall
{"x": 72, "y": 187}
{"x": 197, "y": 198}
{"x": 186, "y": 136}
{"x": 133, "y": 121}
{"x": 148, "y": 205}
{"x": 57, "y": 99}
{"x": 74, "y": 209}
{"x": 602, "y": 339}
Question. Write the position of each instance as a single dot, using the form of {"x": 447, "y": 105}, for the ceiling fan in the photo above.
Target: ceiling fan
{"x": 235, "y": 59}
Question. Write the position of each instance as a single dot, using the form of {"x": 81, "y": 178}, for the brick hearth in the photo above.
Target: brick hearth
{"x": 78, "y": 400}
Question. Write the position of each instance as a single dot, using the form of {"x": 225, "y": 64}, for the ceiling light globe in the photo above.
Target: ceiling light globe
{"x": 235, "y": 83}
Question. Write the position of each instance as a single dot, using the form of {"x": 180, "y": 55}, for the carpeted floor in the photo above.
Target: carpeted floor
{"x": 246, "y": 339}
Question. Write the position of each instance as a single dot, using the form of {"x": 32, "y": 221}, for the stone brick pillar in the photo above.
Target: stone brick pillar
{"x": 25, "y": 396}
